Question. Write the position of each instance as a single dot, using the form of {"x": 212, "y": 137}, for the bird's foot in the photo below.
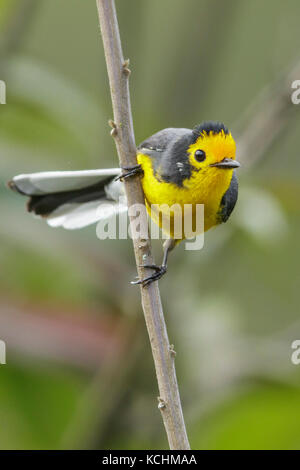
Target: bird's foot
{"x": 130, "y": 171}
{"x": 159, "y": 272}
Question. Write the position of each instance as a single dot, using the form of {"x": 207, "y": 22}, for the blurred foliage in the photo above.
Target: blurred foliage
{"x": 36, "y": 405}
{"x": 236, "y": 420}
{"x": 233, "y": 308}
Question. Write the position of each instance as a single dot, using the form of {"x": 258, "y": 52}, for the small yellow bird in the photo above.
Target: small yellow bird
{"x": 177, "y": 167}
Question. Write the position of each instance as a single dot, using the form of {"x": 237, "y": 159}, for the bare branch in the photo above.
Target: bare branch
{"x": 267, "y": 117}
{"x": 122, "y": 131}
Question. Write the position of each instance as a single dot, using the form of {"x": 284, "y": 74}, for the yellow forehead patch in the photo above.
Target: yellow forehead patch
{"x": 216, "y": 146}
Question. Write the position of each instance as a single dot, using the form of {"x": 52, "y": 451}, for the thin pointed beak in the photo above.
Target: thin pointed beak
{"x": 226, "y": 164}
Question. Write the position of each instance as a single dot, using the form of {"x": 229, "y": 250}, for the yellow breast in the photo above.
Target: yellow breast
{"x": 206, "y": 187}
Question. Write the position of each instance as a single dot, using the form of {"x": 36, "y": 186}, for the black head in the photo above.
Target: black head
{"x": 207, "y": 127}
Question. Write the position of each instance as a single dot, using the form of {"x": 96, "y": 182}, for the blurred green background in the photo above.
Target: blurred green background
{"x": 79, "y": 370}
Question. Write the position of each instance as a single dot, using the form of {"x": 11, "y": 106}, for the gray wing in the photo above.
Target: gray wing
{"x": 168, "y": 151}
{"x": 159, "y": 147}
{"x": 160, "y": 141}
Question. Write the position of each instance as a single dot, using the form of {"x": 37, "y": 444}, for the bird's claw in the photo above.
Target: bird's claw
{"x": 130, "y": 171}
{"x": 159, "y": 272}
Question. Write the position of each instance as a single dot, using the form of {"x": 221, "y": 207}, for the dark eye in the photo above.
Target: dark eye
{"x": 200, "y": 155}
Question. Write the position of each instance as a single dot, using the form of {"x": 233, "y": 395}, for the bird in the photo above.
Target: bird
{"x": 177, "y": 166}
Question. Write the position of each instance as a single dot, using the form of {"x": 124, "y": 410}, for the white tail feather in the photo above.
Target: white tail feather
{"x": 75, "y": 216}
{"x": 36, "y": 184}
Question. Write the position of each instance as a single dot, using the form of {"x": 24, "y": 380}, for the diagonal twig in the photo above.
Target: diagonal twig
{"x": 267, "y": 117}
{"x": 122, "y": 131}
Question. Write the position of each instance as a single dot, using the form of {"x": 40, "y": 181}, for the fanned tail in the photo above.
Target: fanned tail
{"x": 72, "y": 199}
